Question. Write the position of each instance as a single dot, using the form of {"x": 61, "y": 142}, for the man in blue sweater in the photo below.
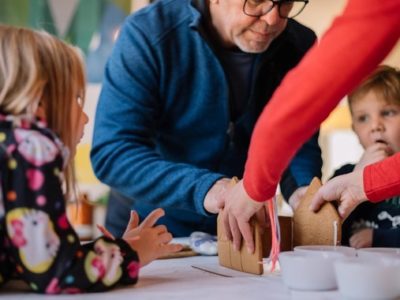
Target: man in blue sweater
{"x": 183, "y": 89}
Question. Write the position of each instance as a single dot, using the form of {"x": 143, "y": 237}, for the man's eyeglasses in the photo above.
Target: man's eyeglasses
{"x": 287, "y": 8}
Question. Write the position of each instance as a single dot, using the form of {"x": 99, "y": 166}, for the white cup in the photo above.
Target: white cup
{"x": 348, "y": 251}
{"x": 368, "y": 278}
{"x": 312, "y": 272}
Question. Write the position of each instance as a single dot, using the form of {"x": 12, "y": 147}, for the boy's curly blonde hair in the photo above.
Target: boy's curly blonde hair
{"x": 384, "y": 81}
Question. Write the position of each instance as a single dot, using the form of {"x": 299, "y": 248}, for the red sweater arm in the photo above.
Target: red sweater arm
{"x": 382, "y": 179}
{"x": 356, "y": 42}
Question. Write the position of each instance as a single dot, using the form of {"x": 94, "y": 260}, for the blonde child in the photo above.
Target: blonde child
{"x": 42, "y": 88}
{"x": 375, "y": 112}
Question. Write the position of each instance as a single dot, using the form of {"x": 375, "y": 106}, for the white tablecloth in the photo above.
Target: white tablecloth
{"x": 177, "y": 279}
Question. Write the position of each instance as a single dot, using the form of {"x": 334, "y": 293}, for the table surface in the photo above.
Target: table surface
{"x": 178, "y": 279}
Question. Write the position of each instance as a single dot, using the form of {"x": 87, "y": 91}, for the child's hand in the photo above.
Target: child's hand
{"x": 362, "y": 239}
{"x": 149, "y": 242}
{"x": 374, "y": 153}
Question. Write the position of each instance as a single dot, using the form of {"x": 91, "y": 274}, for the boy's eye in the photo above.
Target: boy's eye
{"x": 389, "y": 112}
{"x": 362, "y": 118}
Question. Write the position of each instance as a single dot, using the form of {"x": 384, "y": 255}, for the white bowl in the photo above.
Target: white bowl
{"x": 311, "y": 272}
{"x": 366, "y": 278}
{"x": 378, "y": 252}
{"x": 348, "y": 251}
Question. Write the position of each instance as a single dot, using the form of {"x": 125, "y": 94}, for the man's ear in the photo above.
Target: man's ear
{"x": 213, "y": 1}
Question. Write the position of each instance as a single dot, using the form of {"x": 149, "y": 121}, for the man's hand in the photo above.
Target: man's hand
{"x": 348, "y": 189}
{"x": 239, "y": 208}
{"x": 362, "y": 239}
{"x": 298, "y": 194}
{"x": 374, "y": 153}
{"x": 215, "y": 198}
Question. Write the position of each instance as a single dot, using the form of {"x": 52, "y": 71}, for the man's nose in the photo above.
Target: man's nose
{"x": 272, "y": 17}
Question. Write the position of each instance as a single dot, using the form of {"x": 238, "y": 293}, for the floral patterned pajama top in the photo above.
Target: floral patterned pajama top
{"x": 37, "y": 243}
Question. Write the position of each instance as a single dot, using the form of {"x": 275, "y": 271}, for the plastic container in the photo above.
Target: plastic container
{"x": 368, "y": 278}
{"x": 348, "y": 251}
{"x": 309, "y": 272}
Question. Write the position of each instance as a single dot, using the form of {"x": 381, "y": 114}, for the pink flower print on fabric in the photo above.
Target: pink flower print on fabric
{"x": 35, "y": 179}
{"x": 98, "y": 265}
{"x": 11, "y": 148}
{"x": 104, "y": 263}
{"x": 35, "y": 147}
{"x": 53, "y": 287}
{"x": 33, "y": 234}
{"x": 41, "y": 200}
{"x": 18, "y": 238}
{"x": 133, "y": 269}
{"x": 63, "y": 222}
{"x": 25, "y": 123}
{"x": 2, "y": 209}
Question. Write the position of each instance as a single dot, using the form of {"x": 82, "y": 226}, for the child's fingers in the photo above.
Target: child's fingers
{"x": 134, "y": 218}
{"x": 105, "y": 232}
{"x": 152, "y": 218}
{"x": 170, "y": 248}
{"x": 133, "y": 222}
{"x": 160, "y": 229}
{"x": 132, "y": 239}
{"x": 165, "y": 238}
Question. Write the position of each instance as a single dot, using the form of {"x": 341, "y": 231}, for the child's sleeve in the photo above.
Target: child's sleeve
{"x": 42, "y": 244}
{"x": 386, "y": 237}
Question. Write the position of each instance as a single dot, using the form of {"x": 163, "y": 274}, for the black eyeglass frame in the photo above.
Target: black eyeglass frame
{"x": 276, "y": 3}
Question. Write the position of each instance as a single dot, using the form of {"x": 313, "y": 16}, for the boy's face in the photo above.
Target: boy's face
{"x": 376, "y": 120}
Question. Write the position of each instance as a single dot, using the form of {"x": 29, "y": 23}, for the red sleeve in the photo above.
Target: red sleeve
{"x": 356, "y": 42}
{"x": 382, "y": 179}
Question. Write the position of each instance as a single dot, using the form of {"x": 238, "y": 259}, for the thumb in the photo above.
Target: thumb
{"x": 330, "y": 191}
{"x": 133, "y": 221}
{"x": 317, "y": 201}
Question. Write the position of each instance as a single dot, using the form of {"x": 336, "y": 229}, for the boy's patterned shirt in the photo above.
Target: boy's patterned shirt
{"x": 382, "y": 217}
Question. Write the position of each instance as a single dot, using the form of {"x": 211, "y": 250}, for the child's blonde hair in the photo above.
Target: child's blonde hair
{"x": 384, "y": 81}
{"x": 37, "y": 68}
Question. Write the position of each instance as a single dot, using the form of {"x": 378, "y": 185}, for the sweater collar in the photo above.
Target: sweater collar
{"x": 198, "y": 10}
